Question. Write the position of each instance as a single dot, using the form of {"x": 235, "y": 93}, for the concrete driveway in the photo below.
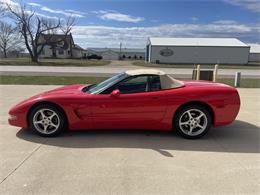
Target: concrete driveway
{"x": 226, "y": 161}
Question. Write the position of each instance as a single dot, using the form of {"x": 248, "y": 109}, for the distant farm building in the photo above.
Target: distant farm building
{"x": 254, "y": 55}
{"x": 116, "y": 53}
{"x": 197, "y": 50}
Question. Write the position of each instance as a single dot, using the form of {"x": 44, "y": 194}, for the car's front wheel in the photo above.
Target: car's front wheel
{"x": 192, "y": 121}
{"x": 47, "y": 120}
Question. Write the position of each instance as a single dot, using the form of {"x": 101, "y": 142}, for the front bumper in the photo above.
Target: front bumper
{"x": 17, "y": 119}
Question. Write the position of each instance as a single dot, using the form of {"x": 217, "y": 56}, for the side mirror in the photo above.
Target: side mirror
{"x": 115, "y": 93}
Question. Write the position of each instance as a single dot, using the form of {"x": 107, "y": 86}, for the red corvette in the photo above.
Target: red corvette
{"x": 135, "y": 99}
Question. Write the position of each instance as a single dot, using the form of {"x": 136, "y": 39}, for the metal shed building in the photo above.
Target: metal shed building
{"x": 254, "y": 55}
{"x": 197, "y": 50}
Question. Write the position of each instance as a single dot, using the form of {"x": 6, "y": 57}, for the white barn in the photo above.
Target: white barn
{"x": 254, "y": 55}
{"x": 196, "y": 50}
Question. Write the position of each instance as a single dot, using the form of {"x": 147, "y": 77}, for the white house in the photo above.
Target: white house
{"x": 61, "y": 46}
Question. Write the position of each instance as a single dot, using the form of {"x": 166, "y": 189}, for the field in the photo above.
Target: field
{"x": 48, "y": 80}
{"x": 52, "y": 80}
{"x": 53, "y": 62}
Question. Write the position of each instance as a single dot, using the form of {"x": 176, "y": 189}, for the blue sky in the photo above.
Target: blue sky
{"x": 103, "y": 23}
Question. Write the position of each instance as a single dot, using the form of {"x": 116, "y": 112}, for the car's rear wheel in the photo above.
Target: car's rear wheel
{"x": 47, "y": 120}
{"x": 192, "y": 121}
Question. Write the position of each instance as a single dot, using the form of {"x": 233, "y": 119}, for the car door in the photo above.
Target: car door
{"x": 140, "y": 105}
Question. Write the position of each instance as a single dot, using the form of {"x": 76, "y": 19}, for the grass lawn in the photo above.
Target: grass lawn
{"x": 222, "y": 66}
{"x": 52, "y": 80}
{"x": 53, "y": 62}
{"x": 245, "y": 83}
{"x": 48, "y": 80}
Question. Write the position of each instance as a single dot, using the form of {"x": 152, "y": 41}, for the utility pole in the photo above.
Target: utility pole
{"x": 120, "y": 48}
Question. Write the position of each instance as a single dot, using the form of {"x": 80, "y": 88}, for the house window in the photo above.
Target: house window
{"x": 69, "y": 52}
{"x": 61, "y": 51}
{"x": 60, "y": 43}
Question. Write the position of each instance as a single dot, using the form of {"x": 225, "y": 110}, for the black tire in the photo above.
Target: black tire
{"x": 61, "y": 118}
{"x": 181, "y": 130}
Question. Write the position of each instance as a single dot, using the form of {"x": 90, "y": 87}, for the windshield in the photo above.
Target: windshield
{"x": 96, "y": 89}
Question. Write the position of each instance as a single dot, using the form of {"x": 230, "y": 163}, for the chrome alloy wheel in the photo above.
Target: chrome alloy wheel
{"x": 46, "y": 121}
{"x": 193, "y": 122}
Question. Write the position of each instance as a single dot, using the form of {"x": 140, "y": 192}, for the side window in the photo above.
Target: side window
{"x": 134, "y": 85}
{"x": 154, "y": 83}
{"x": 131, "y": 85}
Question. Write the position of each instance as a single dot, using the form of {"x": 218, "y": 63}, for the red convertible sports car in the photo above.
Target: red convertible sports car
{"x": 135, "y": 99}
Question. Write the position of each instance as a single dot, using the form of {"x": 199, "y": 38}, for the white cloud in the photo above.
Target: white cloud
{"x": 69, "y": 12}
{"x": 46, "y": 16}
{"x": 72, "y": 13}
{"x": 75, "y": 11}
{"x": 226, "y": 22}
{"x": 116, "y": 16}
{"x": 35, "y": 4}
{"x": 252, "y": 5}
{"x": 16, "y": 6}
{"x": 105, "y": 36}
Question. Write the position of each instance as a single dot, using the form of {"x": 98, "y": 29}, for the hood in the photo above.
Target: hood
{"x": 57, "y": 93}
{"x": 65, "y": 90}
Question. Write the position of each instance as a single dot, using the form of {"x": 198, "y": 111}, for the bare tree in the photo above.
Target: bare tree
{"x": 9, "y": 38}
{"x": 32, "y": 27}
{"x": 2, "y": 9}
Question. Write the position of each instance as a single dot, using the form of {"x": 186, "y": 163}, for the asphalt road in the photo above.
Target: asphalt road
{"x": 110, "y": 70}
{"x": 226, "y": 161}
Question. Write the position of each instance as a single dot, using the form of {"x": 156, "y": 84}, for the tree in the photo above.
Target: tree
{"x": 32, "y": 26}
{"x": 9, "y": 38}
{"x": 2, "y": 10}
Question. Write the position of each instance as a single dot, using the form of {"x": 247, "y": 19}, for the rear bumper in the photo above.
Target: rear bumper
{"x": 227, "y": 113}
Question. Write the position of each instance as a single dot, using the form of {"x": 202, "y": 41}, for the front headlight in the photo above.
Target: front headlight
{"x": 12, "y": 117}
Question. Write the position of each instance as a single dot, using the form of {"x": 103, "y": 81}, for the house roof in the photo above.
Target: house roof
{"x": 76, "y": 46}
{"x": 228, "y": 42}
{"x": 56, "y": 37}
{"x": 255, "y": 48}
